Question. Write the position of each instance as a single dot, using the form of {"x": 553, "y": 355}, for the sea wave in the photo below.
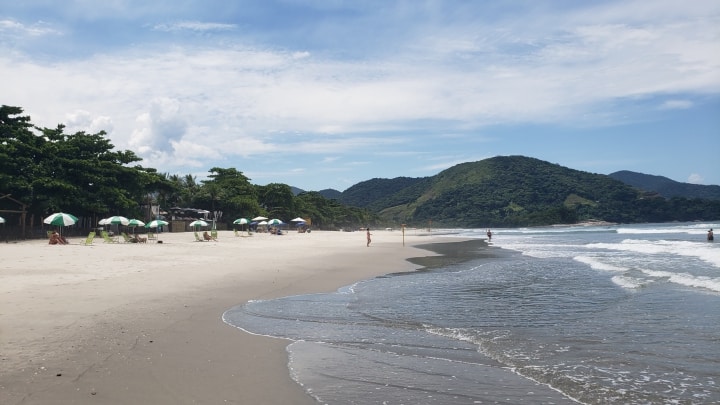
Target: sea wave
{"x": 598, "y": 264}
{"x": 691, "y": 229}
{"x": 630, "y": 283}
{"x": 701, "y": 250}
{"x": 688, "y": 280}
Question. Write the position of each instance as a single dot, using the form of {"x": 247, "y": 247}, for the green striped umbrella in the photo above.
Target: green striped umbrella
{"x": 241, "y": 221}
{"x": 156, "y": 223}
{"x": 61, "y": 219}
{"x": 117, "y": 220}
{"x": 135, "y": 223}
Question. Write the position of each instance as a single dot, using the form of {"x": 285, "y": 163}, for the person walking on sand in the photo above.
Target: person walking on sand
{"x": 368, "y": 237}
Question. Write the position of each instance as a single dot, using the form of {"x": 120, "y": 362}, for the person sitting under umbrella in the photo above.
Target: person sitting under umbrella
{"x": 57, "y": 239}
{"x": 207, "y": 236}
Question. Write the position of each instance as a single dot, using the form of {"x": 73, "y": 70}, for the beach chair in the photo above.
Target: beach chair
{"x": 90, "y": 238}
{"x": 236, "y": 232}
{"x": 198, "y": 238}
{"x": 127, "y": 238}
{"x": 151, "y": 235}
{"x": 213, "y": 234}
{"x": 107, "y": 238}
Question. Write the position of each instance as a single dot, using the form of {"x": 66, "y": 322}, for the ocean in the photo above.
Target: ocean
{"x": 621, "y": 314}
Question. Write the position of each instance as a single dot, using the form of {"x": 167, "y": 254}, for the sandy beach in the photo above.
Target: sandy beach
{"x": 141, "y": 323}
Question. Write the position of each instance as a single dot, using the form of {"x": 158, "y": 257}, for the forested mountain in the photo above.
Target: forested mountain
{"x": 666, "y": 187}
{"x": 518, "y": 191}
{"x": 330, "y": 194}
{"x": 377, "y": 194}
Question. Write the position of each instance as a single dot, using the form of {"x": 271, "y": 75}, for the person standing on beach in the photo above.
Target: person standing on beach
{"x": 711, "y": 237}
{"x": 489, "y": 235}
{"x": 368, "y": 237}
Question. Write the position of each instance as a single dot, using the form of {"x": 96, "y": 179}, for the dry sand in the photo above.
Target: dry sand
{"x": 141, "y": 323}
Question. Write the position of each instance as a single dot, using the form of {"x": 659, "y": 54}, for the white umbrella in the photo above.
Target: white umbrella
{"x": 118, "y": 220}
{"x": 262, "y": 223}
{"x": 298, "y": 219}
{"x": 199, "y": 222}
{"x": 134, "y": 223}
{"x": 259, "y": 219}
{"x": 155, "y": 223}
{"x": 2, "y": 220}
{"x": 61, "y": 219}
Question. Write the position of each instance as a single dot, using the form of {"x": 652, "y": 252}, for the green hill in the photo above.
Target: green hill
{"x": 666, "y": 187}
{"x": 517, "y": 191}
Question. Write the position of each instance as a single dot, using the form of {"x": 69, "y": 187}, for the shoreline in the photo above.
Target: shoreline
{"x": 142, "y": 323}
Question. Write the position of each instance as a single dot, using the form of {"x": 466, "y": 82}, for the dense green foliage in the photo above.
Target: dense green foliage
{"x": 666, "y": 187}
{"x": 519, "y": 191}
{"x": 51, "y": 171}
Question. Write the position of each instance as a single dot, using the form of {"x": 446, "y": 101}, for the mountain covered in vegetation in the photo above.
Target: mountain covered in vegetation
{"x": 518, "y": 191}
{"x": 666, "y": 187}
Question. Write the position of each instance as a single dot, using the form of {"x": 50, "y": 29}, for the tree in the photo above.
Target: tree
{"x": 277, "y": 199}
{"x": 229, "y": 191}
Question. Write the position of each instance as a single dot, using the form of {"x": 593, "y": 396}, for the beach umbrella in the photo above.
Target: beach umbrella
{"x": 199, "y": 222}
{"x": 2, "y": 220}
{"x": 117, "y": 220}
{"x": 241, "y": 221}
{"x": 262, "y": 223}
{"x": 156, "y": 223}
{"x": 103, "y": 221}
{"x": 259, "y": 219}
{"x": 61, "y": 219}
{"x": 298, "y": 219}
{"x": 274, "y": 221}
{"x": 135, "y": 223}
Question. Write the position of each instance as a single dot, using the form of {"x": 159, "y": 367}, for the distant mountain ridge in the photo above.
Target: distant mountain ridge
{"x": 513, "y": 191}
{"x": 666, "y": 187}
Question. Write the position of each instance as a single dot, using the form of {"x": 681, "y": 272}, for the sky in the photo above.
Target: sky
{"x": 323, "y": 94}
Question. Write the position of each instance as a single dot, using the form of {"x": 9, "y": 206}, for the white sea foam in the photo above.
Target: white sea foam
{"x": 630, "y": 283}
{"x": 690, "y": 229}
{"x": 597, "y": 264}
{"x": 707, "y": 252}
{"x": 685, "y": 279}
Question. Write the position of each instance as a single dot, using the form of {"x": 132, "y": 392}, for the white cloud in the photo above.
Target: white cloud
{"x": 179, "y": 104}
{"x": 676, "y": 105}
{"x": 81, "y": 120}
{"x": 695, "y": 179}
{"x": 11, "y": 28}
{"x": 197, "y": 26}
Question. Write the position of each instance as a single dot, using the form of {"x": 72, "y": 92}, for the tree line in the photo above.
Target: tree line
{"x": 49, "y": 170}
